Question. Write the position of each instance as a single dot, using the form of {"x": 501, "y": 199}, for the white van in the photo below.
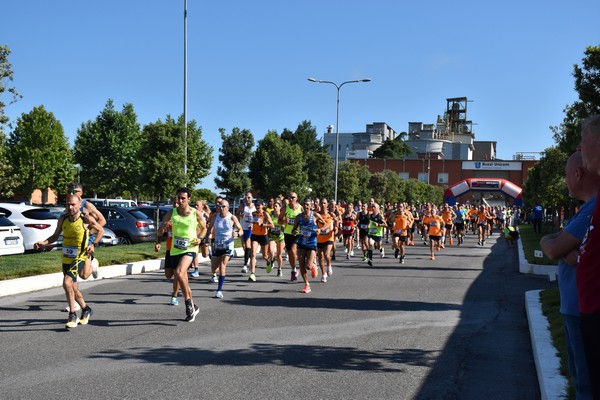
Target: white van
{"x": 113, "y": 202}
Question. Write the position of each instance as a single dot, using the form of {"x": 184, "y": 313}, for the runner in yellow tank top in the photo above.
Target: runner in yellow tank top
{"x": 75, "y": 226}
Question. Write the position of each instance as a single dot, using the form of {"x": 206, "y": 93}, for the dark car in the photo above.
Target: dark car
{"x": 155, "y": 213}
{"x": 130, "y": 225}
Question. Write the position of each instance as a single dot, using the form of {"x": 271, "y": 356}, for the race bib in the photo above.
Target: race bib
{"x": 276, "y": 230}
{"x": 347, "y": 228}
{"x": 399, "y": 231}
{"x": 181, "y": 243}
{"x": 364, "y": 226}
{"x": 220, "y": 245}
{"x": 325, "y": 232}
{"x": 373, "y": 231}
{"x": 70, "y": 251}
{"x": 291, "y": 221}
{"x": 255, "y": 219}
{"x": 306, "y": 232}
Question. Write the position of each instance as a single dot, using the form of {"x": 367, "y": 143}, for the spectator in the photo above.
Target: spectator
{"x": 538, "y": 215}
{"x": 588, "y": 269}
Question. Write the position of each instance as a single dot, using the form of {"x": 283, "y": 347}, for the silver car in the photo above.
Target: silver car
{"x": 11, "y": 240}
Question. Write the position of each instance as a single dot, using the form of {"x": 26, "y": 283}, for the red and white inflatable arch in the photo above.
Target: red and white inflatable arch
{"x": 484, "y": 185}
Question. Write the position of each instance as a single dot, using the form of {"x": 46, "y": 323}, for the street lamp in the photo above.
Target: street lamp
{"x": 337, "y": 124}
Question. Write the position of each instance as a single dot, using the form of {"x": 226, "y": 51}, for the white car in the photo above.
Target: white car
{"x": 36, "y": 223}
{"x": 11, "y": 240}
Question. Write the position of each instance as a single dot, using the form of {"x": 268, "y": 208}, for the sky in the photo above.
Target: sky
{"x": 248, "y": 63}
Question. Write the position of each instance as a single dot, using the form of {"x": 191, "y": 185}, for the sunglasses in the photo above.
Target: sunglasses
{"x": 73, "y": 191}
{"x": 222, "y": 206}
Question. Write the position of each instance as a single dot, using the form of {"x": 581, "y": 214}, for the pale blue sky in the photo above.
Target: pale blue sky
{"x": 248, "y": 62}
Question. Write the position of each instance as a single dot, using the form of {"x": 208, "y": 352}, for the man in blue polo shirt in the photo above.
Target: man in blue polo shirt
{"x": 583, "y": 185}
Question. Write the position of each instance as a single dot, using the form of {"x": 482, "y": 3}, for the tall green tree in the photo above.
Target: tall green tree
{"x": 8, "y": 178}
{"x": 108, "y": 151}
{"x": 545, "y": 183}
{"x": 392, "y": 149}
{"x": 276, "y": 167}
{"x": 353, "y": 181}
{"x": 162, "y": 150}
{"x": 387, "y": 186}
{"x": 306, "y": 137}
{"x": 235, "y": 152}
{"x": 40, "y": 153}
{"x": 319, "y": 169}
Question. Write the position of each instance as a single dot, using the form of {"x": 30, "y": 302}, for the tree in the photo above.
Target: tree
{"x": 306, "y": 137}
{"x": 108, "y": 151}
{"x": 319, "y": 169}
{"x": 40, "y": 153}
{"x": 386, "y": 186}
{"x": 163, "y": 146}
{"x": 236, "y": 150}
{"x": 276, "y": 167}
{"x": 545, "y": 183}
{"x": 8, "y": 179}
{"x": 204, "y": 194}
{"x": 392, "y": 148}
{"x": 353, "y": 180}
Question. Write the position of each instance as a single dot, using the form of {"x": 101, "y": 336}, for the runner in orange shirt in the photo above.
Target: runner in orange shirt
{"x": 436, "y": 230}
{"x": 402, "y": 222}
{"x": 448, "y": 215}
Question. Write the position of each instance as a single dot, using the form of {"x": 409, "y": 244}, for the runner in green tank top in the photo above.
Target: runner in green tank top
{"x": 288, "y": 218}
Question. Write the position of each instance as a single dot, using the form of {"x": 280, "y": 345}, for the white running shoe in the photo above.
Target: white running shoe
{"x": 77, "y": 307}
{"x": 382, "y": 253}
{"x": 324, "y": 278}
{"x": 244, "y": 269}
{"x": 95, "y": 265}
{"x": 329, "y": 270}
{"x": 219, "y": 295}
{"x": 351, "y": 253}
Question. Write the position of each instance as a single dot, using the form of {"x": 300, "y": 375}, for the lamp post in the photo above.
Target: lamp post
{"x": 185, "y": 131}
{"x": 337, "y": 125}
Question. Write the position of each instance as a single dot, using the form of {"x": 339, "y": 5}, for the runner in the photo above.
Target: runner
{"x": 436, "y": 230}
{"x": 261, "y": 222}
{"x": 348, "y": 231}
{"x": 472, "y": 213}
{"x": 415, "y": 224}
{"x": 364, "y": 219}
{"x": 305, "y": 228}
{"x": 325, "y": 240}
{"x": 188, "y": 226}
{"x": 276, "y": 239}
{"x": 481, "y": 218}
{"x": 448, "y": 215}
{"x": 376, "y": 225}
{"x": 400, "y": 230}
{"x": 76, "y": 248}
{"x": 201, "y": 208}
{"x": 335, "y": 214}
{"x": 288, "y": 218}
{"x": 169, "y": 267}
{"x": 244, "y": 214}
{"x": 459, "y": 224}
{"x": 223, "y": 225}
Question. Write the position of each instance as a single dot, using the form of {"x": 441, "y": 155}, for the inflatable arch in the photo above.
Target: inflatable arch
{"x": 484, "y": 185}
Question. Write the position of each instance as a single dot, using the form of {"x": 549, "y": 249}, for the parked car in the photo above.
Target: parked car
{"x": 109, "y": 238}
{"x": 36, "y": 223}
{"x": 11, "y": 239}
{"x": 113, "y": 202}
{"x": 130, "y": 226}
{"x": 155, "y": 213}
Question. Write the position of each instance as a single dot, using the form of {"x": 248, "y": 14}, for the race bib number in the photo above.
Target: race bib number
{"x": 399, "y": 231}
{"x": 364, "y": 226}
{"x": 324, "y": 232}
{"x": 433, "y": 223}
{"x": 255, "y": 219}
{"x": 248, "y": 218}
{"x": 276, "y": 230}
{"x": 70, "y": 251}
{"x": 306, "y": 232}
{"x": 220, "y": 245}
{"x": 181, "y": 243}
{"x": 347, "y": 228}
{"x": 291, "y": 221}
{"x": 373, "y": 231}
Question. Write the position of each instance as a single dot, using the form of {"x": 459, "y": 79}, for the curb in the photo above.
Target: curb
{"x": 28, "y": 284}
{"x": 535, "y": 269}
{"x": 552, "y": 384}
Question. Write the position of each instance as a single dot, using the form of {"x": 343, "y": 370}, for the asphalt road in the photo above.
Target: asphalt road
{"x": 453, "y": 328}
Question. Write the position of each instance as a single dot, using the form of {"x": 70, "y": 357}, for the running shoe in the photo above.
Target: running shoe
{"x": 195, "y": 274}
{"x": 333, "y": 257}
{"x": 432, "y": 257}
{"x": 382, "y": 253}
{"x": 396, "y": 252}
{"x": 306, "y": 289}
{"x": 443, "y": 246}
{"x": 451, "y": 242}
{"x": 370, "y": 263}
{"x": 191, "y": 310}
{"x": 77, "y": 307}
{"x": 401, "y": 259}
{"x": 252, "y": 278}
{"x": 72, "y": 321}
{"x": 314, "y": 272}
{"x": 85, "y": 315}
{"x": 483, "y": 242}
{"x": 294, "y": 275}
{"x": 269, "y": 266}
{"x": 345, "y": 250}
{"x": 347, "y": 256}
{"x": 329, "y": 270}
{"x": 479, "y": 242}
{"x": 351, "y": 253}
{"x": 365, "y": 258}
{"x": 219, "y": 295}
{"x": 437, "y": 247}
{"x": 324, "y": 278}
{"x": 244, "y": 269}
{"x": 174, "y": 301}
{"x": 279, "y": 272}
{"x": 95, "y": 265}
{"x": 214, "y": 279}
